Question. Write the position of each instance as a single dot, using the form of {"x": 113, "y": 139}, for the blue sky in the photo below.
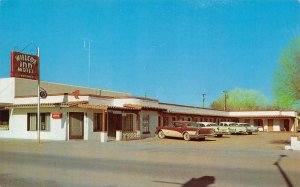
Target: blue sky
{"x": 172, "y": 50}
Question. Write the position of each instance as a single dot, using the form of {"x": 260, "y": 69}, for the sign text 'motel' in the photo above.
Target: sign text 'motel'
{"x": 24, "y": 65}
{"x": 56, "y": 115}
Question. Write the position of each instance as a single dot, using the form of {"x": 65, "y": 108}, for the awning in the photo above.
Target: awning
{"x": 96, "y": 107}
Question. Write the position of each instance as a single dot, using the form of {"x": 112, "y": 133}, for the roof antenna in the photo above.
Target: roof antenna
{"x": 88, "y": 48}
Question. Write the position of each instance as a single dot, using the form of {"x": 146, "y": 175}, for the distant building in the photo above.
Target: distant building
{"x": 72, "y": 112}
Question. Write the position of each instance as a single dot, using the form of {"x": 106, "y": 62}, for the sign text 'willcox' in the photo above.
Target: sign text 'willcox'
{"x": 24, "y": 65}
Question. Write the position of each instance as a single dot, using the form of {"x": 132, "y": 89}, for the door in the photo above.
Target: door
{"x": 114, "y": 123}
{"x": 270, "y": 124}
{"x": 287, "y": 125}
{"x": 76, "y": 125}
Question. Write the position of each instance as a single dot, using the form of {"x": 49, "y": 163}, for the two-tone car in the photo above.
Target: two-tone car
{"x": 249, "y": 128}
{"x": 219, "y": 131}
{"x": 184, "y": 129}
{"x": 233, "y": 128}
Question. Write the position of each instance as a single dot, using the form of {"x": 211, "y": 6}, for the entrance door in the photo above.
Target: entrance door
{"x": 270, "y": 124}
{"x": 287, "y": 125}
{"x": 76, "y": 125}
{"x": 114, "y": 124}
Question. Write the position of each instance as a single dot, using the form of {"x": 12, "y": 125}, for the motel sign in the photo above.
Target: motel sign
{"x": 24, "y": 65}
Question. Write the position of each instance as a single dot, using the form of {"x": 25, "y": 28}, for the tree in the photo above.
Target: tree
{"x": 241, "y": 99}
{"x": 287, "y": 78}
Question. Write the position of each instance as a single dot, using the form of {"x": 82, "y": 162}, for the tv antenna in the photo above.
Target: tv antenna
{"x": 87, "y": 46}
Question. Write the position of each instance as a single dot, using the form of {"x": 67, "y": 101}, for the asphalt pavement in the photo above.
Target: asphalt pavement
{"x": 149, "y": 162}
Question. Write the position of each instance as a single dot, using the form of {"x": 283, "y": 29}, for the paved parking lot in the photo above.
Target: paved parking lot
{"x": 237, "y": 160}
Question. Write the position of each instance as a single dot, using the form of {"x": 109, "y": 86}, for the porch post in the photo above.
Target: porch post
{"x": 103, "y": 133}
{"x": 138, "y": 128}
{"x": 291, "y": 125}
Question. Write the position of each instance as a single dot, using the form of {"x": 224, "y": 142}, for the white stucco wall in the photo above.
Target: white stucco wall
{"x": 87, "y": 123}
{"x": 135, "y": 101}
{"x": 7, "y": 90}
{"x": 18, "y": 126}
{"x": 101, "y": 101}
{"x": 262, "y": 113}
{"x": 276, "y": 124}
{"x": 59, "y": 128}
{"x": 153, "y": 122}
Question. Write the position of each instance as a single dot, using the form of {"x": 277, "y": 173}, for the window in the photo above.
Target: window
{"x": 32, "y": 121}
{"x": 176, "y": 124}
{"x": 145, "y": 123}
{"x": 165, "y": 121}
{"x": 97, "y": 122}
{"x": 258, "y": 122}
{"x": 159, "y": 120}
{"x": 128, "y": 123}
{"x": 4, "y": 119}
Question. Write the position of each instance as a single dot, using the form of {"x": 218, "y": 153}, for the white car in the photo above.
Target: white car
{"x": 218, "y": 130}
{"x": 249, "y": 128}
{"x": 233, "y": 128}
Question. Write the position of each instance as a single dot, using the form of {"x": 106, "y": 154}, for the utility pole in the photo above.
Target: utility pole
{"x": 88, "y": 48}
{"x": 225, "y": 100}
{"x": 203, "y": 100}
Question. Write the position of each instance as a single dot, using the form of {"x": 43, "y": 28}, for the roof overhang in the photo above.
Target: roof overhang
{"x": 199, "y": 115}
{"x": 140, "y": 107}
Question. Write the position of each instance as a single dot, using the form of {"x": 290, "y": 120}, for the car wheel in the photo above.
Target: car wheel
{"x": 161, "y": 135}
{"x": 219, "y": 135}
{"x": 186, "y": 136}
{"x": 249, "y": 132}
{"x": 202, "y": 139}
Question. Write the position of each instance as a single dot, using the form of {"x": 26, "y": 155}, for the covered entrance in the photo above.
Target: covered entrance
{"x": 76, "y": 125}
{"x": 286, "y": 124}
{"x": 115, "y": 123}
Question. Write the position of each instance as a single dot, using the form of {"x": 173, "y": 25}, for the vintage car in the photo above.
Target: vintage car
{"x": 184, "y": 129}
{"x": 218, "y": 130}
{"x": 233, "y": 128}
{"x": 249, "y": 128}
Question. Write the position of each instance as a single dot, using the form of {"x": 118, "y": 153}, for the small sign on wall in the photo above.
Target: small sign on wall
{"x": 56, "y": 115}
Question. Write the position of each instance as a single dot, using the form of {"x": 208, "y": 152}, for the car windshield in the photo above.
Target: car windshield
{"x": 177, "y": 124}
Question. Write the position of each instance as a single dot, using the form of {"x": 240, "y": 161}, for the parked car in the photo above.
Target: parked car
{"x": 184, "y": 129}
{"x": 233, "y": 128}
{"x": 218, "y": 130}
{"x": 249, "y": 128}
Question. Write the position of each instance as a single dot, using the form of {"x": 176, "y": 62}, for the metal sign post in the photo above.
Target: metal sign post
{"x": 38, "y": 101}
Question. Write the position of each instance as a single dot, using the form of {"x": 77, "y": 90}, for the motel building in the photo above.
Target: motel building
{"x": 72, "y": 112}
